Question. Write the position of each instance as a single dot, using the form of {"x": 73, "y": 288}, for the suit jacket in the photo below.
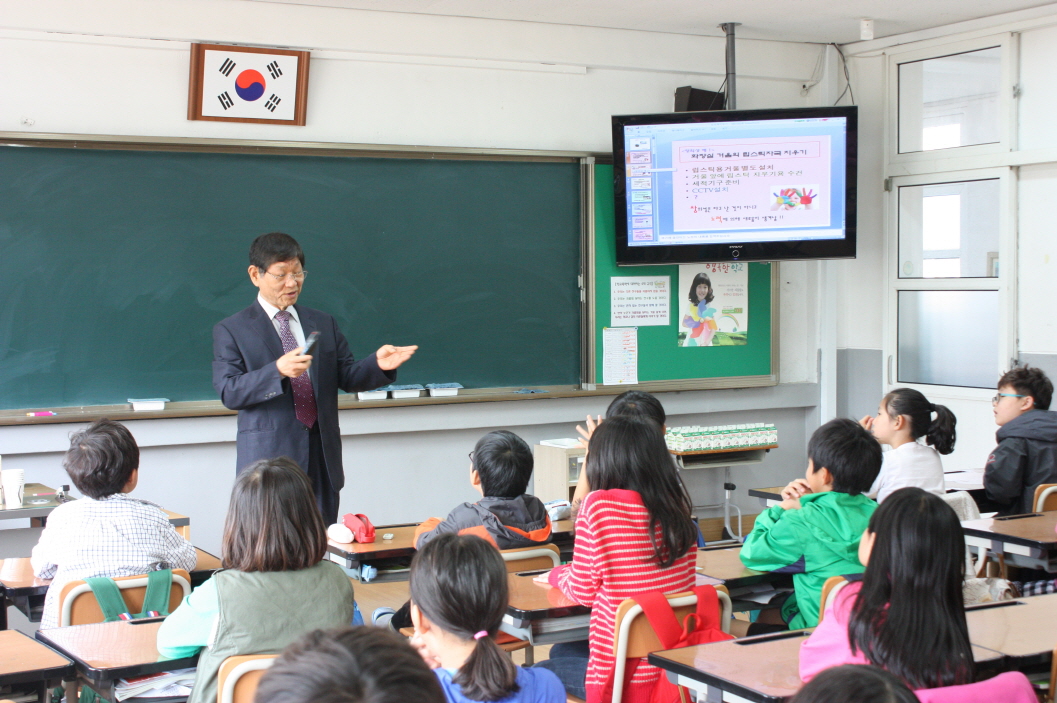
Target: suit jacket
{"x": 245, "y": 348}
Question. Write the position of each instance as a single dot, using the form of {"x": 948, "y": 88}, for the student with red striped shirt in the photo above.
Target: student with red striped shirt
{"x": 634, "y": 534}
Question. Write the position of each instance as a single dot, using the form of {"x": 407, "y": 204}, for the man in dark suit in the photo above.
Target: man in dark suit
{"x": 288, "y": 402}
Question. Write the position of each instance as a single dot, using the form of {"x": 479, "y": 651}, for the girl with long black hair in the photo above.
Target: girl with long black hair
{"x": 903, "y": 417}
{"x": 907, "y": 614}
{"x": 458, "y": 599}
{"x": 634, "y": 534}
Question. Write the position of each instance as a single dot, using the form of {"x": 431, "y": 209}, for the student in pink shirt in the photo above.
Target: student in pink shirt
{"x": 907, "y": 614}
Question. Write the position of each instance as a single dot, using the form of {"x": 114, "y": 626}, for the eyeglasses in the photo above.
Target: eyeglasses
{"x": 999, "y": 396}
{"x": 471, "y": 457}
{"x": 300, "y": 276}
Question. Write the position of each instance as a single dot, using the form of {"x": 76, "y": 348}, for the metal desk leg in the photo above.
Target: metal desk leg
{"x": 729, "y": 488}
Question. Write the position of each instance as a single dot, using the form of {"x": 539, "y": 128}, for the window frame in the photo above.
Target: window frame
{"x": 1007, "y": 115}
{"x": 1004, "y": 284}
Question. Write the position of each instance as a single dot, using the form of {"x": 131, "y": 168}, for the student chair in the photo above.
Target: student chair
{"x": 546, "y": 556}
{"x": 1045, "y": 497}
{"x": 1010, "y": 687}
{"x": 239, "y": 676}
{"x": 78, "y": 606}
{"x": 634, "y": 636}
{"x": 830, "y": 589}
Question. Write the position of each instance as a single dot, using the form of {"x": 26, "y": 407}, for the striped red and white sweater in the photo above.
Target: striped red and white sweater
{"x": 612, "y": 561}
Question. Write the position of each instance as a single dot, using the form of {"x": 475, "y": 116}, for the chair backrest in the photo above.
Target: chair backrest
{"x": 1045, "y": 497}
{"x": 78, "y": 606}
{"x": 635, "y": 637}
{"x": 830, "y": 589}
{"x": 238, "y": 677}
{"x": 1010, "y": 687}
{"x": 545, "y": 556}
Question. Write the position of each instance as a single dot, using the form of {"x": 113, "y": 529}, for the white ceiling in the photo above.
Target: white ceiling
{"x": 791, "y": 20}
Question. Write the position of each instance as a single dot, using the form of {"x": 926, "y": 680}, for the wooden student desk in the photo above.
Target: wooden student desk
{"x": 34, "y": 507}
{"x": 542, "y": 614}
{"x": 763, "y": 669}
{"x": 1025, "y": 540}
{"x": 394, "y": 554}
{"x": 105, "y": 652}
{"x": 20, "y": 588}
{"x": 24, "y": 663}
{"x": 724, "y": 565}
{"x": 1023, "y": 630}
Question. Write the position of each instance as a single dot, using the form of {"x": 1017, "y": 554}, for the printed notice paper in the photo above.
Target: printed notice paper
{"x": 620, "y": 356}
{"x": 639, "y": 301}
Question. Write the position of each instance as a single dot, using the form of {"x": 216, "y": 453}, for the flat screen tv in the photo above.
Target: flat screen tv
{"x": 737, "y": 185}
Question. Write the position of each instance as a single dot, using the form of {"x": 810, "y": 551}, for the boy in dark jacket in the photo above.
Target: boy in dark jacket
{"x": 1026, "y": 455}
{"x": 501, "y": 465}
{"x": 500, "y": 468}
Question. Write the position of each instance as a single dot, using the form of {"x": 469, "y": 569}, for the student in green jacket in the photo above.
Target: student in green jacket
{"x": 814, "y": 532}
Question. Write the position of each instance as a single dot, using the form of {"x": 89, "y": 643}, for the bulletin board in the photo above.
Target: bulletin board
{"x": 731, "y": 359}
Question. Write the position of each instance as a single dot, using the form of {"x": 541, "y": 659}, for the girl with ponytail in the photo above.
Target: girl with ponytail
{"x": 458, "y": 598}
{"x": 904, "y": 416}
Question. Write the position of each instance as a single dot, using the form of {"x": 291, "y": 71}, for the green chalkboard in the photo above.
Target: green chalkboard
{"x": 660, "y": 358}
{"x": 117, "y": 264}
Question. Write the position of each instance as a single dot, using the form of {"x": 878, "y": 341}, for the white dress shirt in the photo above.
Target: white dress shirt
{"x": 116, "y": 536}
{"x": 295, "y": 323}
{"x": 910, "y": 464}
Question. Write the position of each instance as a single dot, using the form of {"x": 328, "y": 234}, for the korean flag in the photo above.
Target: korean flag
{"x": 241, "y": 84}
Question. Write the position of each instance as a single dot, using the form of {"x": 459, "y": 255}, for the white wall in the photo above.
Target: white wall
{"x": 120, "y": 67}
{"x": 860, "y": 280}
{"x": 1037, "y": 243}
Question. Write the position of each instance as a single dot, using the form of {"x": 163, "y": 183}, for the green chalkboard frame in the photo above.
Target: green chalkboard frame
{"x": 663, "y": 366}
{"x": 205, "y": 407}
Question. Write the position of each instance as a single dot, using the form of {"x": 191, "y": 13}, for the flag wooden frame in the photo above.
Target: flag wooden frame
{"x": 196, "y": 85}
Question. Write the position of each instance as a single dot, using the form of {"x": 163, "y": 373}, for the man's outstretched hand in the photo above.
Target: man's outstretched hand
{"x": 390, "y": 357}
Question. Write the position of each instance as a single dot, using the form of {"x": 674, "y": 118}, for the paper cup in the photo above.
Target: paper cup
{"x": 14, "y": 483}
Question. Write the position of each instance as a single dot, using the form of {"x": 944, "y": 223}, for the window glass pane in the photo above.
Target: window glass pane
{"x": 950, "y": 101}
{"x": 949, "y": 230}
{"x": 948, "y": 337}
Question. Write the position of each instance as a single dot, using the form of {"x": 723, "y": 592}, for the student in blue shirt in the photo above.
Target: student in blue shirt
{"x": 458, "y": 598}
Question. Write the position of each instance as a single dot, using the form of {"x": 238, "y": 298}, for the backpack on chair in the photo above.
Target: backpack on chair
{"x": 702, "y": 626}
{"x": 108, "y": 595}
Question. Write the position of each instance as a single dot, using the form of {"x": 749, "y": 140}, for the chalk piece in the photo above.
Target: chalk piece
{"x": 388, "y": 536}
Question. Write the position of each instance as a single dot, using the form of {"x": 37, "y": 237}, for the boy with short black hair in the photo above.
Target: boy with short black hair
{"x": 814, "y": 532}
{"x": 1026, "y": 455}
{"x": 500, "y": 468}
{"x": 106, "y": 533}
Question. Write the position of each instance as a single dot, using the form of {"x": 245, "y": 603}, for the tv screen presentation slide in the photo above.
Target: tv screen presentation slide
{"x": 700, "y": 183}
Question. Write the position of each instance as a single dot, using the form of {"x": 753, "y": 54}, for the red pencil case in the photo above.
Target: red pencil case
{"x": 360, "y": 524}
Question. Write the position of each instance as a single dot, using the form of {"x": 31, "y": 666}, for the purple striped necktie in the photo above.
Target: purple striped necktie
{"x": 304, "y": 399}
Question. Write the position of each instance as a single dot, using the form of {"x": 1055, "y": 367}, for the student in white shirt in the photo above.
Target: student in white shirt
{"x": 903, "y": 417}
{"x": 107, "y": 532}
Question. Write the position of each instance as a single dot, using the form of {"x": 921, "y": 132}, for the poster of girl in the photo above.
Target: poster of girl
{"x": 717, "y": 305}
{"x": 699, "y": 321}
